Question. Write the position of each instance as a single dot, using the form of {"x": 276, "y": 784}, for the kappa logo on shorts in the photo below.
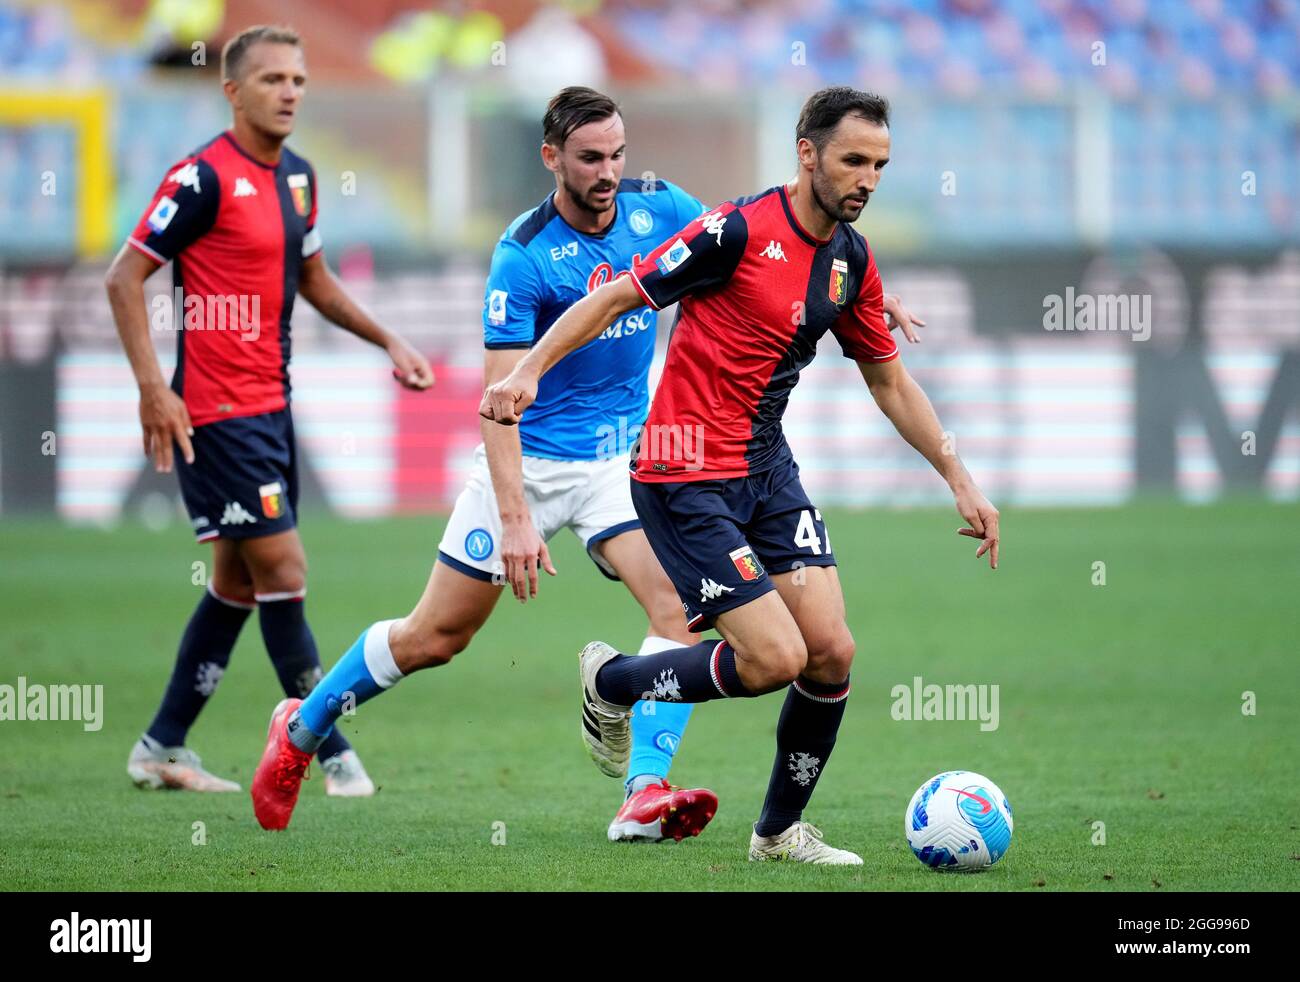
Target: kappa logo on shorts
{"x": 478, "y": 544}
{"x": 272, "y": 496}
{"x": 237, "y": 514}
{"x": 746, "y": 563}
{"x": 712, "y": 590}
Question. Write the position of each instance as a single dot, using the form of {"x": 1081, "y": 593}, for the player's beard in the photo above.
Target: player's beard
{"x": 581, "y": 198}
{"x": 824, "y": 193}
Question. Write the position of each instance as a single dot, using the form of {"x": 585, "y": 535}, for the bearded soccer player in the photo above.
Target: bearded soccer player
{"x": 237, "y": 219}
{"x": 562, "y": 468}
{"x": 745, "y": 548}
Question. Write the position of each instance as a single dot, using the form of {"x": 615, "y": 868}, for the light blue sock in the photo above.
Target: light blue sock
{"x": 365, "y": 670}
{"x": 657, "y": 728}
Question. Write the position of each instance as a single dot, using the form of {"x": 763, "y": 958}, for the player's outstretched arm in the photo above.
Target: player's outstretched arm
{"x": 321, "y": 288}
{"x": 905, "y": 403}
{"x": 506, "y": 401}
{"x": 163, "y": 416}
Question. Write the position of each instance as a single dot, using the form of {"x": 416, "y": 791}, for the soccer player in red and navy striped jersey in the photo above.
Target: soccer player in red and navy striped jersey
{"x": 760, "y": 281}
{"x": 237, "y": 220}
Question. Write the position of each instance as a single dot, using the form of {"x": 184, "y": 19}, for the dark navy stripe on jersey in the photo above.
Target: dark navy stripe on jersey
{"x": 534, "y": 223}
{"x": 292, "y": 263}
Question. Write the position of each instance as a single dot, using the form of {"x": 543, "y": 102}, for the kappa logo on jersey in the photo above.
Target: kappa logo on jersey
{"x": 163, "y": 213}
{"x": 712, "y": 590}
{"x": 300, "y": 188}
{"x": 244, "y": 188}
{"x": 774, "y": 251}
{"x": 564, "y": 251}
{"x": 187, "y": 177}
{"x": 641, "y": 221}
{"x": 272, "y": 499}
{"x": 746, "y": 563}
{"x": 713, "y": 222}
{"x": 839, "y": 287}
{"x": 497, "y": 307}
{"x": 677, "y": 254}
{"x": 236, "y": 514}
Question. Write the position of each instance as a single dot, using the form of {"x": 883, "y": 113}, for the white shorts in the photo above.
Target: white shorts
{"x": 592, "y": 497}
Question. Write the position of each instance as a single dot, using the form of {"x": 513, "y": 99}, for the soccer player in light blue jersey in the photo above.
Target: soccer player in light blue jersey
{"x": 566, "y": 466}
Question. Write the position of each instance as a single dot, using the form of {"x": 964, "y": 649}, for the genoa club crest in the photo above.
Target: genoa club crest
{"x": 746, "y": 563}
{"x": 272, "y": 500}
{"x": 839, "y": 288}
{"x": 300, "y": 189}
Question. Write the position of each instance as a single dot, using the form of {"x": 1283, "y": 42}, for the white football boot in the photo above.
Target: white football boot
{"x": 802, "y": 843}
{"x": 606, "y": 728}
{"x": 152, "y": 765}
{"x": 345, "y": 777}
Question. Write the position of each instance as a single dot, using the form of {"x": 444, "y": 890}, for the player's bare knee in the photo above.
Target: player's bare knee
{"x": 833, "y": 660}
{"x": 417, "y": 647}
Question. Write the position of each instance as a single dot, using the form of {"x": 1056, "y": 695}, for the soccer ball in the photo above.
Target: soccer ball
{"x": 958, "y": 820}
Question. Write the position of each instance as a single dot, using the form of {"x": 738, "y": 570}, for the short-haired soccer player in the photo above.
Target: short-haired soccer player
{"x": 745, "y": 548}
{"x": 237, "y": 220}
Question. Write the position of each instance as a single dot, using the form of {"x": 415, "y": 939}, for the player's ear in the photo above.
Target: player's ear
{"x": 550, "y": 157}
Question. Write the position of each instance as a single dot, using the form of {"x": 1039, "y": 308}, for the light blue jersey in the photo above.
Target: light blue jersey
{"x": 540, "y": 268}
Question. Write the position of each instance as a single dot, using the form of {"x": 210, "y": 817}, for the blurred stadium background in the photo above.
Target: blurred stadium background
{"x": 1135, "y": 147}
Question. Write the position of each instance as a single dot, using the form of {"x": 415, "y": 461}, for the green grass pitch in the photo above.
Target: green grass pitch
{"x": 1119, "y": 704}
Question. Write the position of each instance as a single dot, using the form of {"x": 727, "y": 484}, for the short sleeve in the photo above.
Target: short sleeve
{"x": 311, "y": 240}
{"x": 861, "y": 329}
{"x": 513, "y": 298}
{"x": 183, "y": 208}
{"x": 704, "y": 254}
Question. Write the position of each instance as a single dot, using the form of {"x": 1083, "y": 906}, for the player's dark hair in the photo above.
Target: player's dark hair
{"x": 571, "y": 108}
{"x": 824, "y": 110}
{"x": 235, "y": 50}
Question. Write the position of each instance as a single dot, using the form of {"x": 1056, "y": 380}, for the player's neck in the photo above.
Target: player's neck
{"x": 262, "y": 147}
{"x": 814, "y": 220}
{"x": 581, "y": 219}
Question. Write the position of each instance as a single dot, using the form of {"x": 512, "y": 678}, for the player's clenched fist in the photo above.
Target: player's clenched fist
{"x": 506, "y": 401}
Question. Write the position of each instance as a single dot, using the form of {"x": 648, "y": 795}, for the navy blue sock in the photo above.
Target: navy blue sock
{"x": 292, "y": 648}
{"x": 699, "y": 673}
{"x": 201, "y": 661}
{"x": 805, "y": 737}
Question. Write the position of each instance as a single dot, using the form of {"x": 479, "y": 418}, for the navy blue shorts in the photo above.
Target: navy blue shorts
{"x": 244, "y": 479}
{"x": 719, "y": 540}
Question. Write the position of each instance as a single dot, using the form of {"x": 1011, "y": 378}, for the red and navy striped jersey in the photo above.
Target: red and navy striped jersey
{"x": 236, "y": 231}
{"x": 757, "y": 292}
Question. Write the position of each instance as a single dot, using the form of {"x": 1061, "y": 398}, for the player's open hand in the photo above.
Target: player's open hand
{"x": 901, "y": 317}
{"x": 524, "y": 552}
{"x": 505, "y": 401}
{"x": 983, "y": 520}
{"x": 164, "y": 419}
{"x": 410, "y": 368}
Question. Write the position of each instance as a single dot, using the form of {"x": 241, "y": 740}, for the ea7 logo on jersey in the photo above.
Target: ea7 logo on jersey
{"x": 244, "y": 187}
{"x": 497, "y": 307}
{"x": 712, "y": 590}
{"x": 163, "y": 213}
{"x": 187, "y": 177}
{"x": 713, "y": 222}
{"x": 236, "y": 514}
{"x": 564, "y": 251}
{"x": 677, "y": 254}
{"x": 774, "y": 251}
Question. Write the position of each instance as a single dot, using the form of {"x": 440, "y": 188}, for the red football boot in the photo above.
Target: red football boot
{"x": 280, "y": 773}
{"x": 661, "y": 811}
